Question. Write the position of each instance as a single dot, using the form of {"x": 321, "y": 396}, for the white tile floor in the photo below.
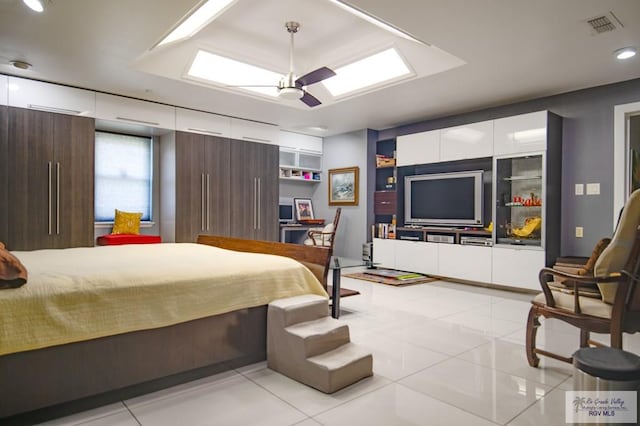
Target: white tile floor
{"x": 444, "y": 354}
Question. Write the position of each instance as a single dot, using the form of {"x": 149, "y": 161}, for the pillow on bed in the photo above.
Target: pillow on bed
{"x": 126, "y": 223}
{"x": 13, "y": 274}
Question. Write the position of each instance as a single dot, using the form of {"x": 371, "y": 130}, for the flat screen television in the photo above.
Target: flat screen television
{"x": 444, "y": 199}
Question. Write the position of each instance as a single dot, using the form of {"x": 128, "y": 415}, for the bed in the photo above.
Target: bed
{"x": 96, "y": 325}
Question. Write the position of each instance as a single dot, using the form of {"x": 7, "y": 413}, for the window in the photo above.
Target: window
{"x": 123, "y": 178}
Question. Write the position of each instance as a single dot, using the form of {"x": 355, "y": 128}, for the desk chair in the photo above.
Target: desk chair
{"x": 324, "y": 236}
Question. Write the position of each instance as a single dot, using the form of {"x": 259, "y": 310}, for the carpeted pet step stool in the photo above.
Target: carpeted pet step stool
{"x": 307, "y": 345}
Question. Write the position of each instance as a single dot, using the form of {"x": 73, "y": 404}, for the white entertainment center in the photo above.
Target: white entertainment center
{"x": 521, "y": 157}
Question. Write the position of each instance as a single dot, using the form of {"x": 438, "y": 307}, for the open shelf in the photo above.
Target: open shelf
{"x": 300, "y": 175}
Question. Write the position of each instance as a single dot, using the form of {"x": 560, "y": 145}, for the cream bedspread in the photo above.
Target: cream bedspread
{"x": 83, "y": 293}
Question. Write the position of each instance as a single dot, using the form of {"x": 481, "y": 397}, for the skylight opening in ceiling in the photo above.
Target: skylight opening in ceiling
{"x": 376, "y": 21}
{"x": 229, "y": 72}
{"x": 366, "y": 73}
{"x": 197, "y": 20}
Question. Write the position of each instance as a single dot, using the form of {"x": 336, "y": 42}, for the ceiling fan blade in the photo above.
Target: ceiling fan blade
{"x": 310, "y": 100}
{"x": 315, "y": 76}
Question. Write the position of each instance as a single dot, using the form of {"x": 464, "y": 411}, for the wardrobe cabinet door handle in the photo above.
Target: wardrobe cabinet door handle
{"x": 211, "y": 132}
{"x": 251, "y": 138}
{"x": 208, "y": 200}
{"x": 135, "y": 120}
{"x": 255, "y": 202}
{"x": 58, "y": 198}
{"x": 50, "y": 166}
{"x": 259, "y": 204}
{"x": 202, "y": 201}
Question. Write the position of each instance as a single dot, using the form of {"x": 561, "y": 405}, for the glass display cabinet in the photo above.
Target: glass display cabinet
{"x": 520, "y": 200}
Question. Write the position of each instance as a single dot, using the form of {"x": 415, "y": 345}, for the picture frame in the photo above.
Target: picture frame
{"x": 303, "y": 208}
{"x": 343, "y": 186}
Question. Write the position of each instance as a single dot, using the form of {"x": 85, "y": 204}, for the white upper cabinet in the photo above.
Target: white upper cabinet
{"x": 4, "y": 86}
{"x": 33, "y": 94}
{"x": 297, "y": 141}
{"x": 418, "y": 148}
{"x": 254, "y": 131}
{"x": 133, "y": 111}
{"x": 520, "y": 134}
{"x": 201, "y": 122}
{"x": 473, "y": 140}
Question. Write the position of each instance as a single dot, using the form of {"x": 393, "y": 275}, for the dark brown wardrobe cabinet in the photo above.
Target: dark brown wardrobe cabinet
{"x": 4, "y": 174}
{"x": 217, "y": 186}
{"x": 50, "y": 166}
{"x": 202, "y": 186}
{"x": 254, "y": 190}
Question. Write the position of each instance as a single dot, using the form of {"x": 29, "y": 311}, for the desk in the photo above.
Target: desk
{"x": 295, "y": 233}
{"x": 337, "y": 264}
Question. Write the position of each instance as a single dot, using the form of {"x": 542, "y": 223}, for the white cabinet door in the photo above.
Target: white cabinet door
{"x": 384, "y": 253}
{"x": 201, "y": 122}
{"x": 520, "y": 133}
{"x": 288, "y": 158}
{"x": 465, "y": 262}
{"x": 254, "y": 132}
{"x": 32, "y": 94}
{"x": 417, "y": 256}
{"x": 418, "y": 148}
{"x": 474, "y": 140}
{"x": 517, "y": 267}
{"x": 300, "y": 142}
{"x": 4, "y": 87}
{"x": 134, "y": 111}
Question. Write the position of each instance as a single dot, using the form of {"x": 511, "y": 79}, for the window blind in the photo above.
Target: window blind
{"x": 123, "y": 175}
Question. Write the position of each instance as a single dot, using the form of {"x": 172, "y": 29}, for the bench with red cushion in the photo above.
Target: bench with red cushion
{"x": 119, "y": 239}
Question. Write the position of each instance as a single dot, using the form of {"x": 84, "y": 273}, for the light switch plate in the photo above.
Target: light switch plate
{"x": 593, "y": 189}
{"x": 579, "y": 188}
{"x": 579, "y": 231}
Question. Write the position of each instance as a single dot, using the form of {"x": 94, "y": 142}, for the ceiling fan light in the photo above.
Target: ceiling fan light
{"x": 35, "y": 5}
{"x": 290, "y": 93}
{"x": 626, "y": 53}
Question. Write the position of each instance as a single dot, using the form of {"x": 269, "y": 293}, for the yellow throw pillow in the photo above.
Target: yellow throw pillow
{"x": 126, "y": 223}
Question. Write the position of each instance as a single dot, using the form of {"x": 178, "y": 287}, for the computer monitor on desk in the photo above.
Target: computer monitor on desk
{"x": 286, "y": 211}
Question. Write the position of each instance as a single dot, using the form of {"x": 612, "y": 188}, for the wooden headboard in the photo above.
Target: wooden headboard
{"x": 313, "y": 257}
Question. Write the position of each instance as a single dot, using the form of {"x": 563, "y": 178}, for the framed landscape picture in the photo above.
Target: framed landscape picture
{"x": 343, "y": 186}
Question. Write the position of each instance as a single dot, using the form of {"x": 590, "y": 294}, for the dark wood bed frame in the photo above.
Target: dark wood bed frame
{"x": 52, "y": 382}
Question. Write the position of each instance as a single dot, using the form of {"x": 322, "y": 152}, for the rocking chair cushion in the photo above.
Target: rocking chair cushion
{"x": 588, "y": 305}
{"x": 613, "y": 258}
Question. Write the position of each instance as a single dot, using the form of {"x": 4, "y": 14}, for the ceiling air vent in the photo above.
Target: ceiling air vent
{"x": 603, "y": 24}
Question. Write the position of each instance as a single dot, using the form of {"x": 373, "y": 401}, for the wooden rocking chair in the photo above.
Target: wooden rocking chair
{"x": 616, "y": 274}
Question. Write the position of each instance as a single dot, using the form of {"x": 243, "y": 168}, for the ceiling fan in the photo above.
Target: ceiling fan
{"x": 292, "y": 87}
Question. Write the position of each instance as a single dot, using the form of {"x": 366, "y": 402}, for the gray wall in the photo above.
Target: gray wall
{"x": 587, "y": 154}
{"x": 346, "y": 150}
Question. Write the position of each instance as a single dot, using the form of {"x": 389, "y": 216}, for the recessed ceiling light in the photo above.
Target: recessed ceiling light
{"x": 35, "y": 5}
{"x": 376, "y": 21}
{"x": 229, "y": 72}
{"x": 370, "y": 71}
{"x": 194, "y": 22}
{"x": 625, "y": 52}
{"x": 20, "y": 64}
